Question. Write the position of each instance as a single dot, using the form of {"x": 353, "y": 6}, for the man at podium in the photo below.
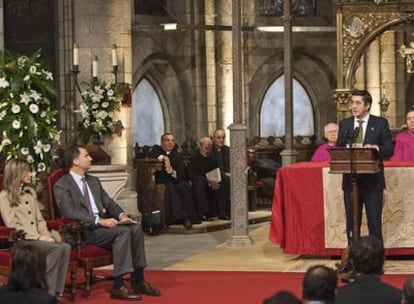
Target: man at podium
{"x": 365, "y": 130}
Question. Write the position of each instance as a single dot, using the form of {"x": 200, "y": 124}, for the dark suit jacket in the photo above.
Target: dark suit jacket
{"x": 69, "y": 200}
{"x": 223, "y": 160}
{"x": 377, "y": 133}
{"x": 162, "y": 177}
{"x": 32, "y": 296}
{"x": 200, "y": 165}
{"x": 368, "y": 289}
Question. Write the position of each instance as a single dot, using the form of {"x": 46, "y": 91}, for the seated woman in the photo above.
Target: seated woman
{"x": 19, "y": 208}
{"x": 404, "y": 141}
{"x": 27, "y": 280}
{"x": 331, "y": 135}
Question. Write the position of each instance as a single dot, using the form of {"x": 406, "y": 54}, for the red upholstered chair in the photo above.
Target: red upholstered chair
{"x": 6, "y": 236}
{"x": 90, "y": 256}
{"x": 8, "y": 239}
{"x": 6, "y": 252}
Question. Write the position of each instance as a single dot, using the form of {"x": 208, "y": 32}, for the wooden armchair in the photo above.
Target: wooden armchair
{"x": 89, "y": 256}
{"x": 8, "y": 240}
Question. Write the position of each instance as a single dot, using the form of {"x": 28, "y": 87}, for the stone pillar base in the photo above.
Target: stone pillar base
{"x": 240, "y": 240}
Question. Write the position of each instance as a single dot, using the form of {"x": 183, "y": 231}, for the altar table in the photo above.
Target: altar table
{"x": 307, "y": 199}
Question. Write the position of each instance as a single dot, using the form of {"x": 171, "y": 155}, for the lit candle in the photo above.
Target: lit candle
{"x": 114, "y": 55}
{"x": 95, "y": 67}
{"x": 75, "y": 54}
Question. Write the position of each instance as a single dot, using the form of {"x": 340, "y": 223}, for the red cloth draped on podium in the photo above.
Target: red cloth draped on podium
{"x": 298, "y": 210}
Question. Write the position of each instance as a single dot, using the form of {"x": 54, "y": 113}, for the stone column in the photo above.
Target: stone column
{"x": 239, "y": 222}
{"x": 289, "y": 153}
{"x": 224, "y": 65}
{"x": 401, "y": 78}
{"x": 1, "y": 25}
{"x": 211, "y": 72}
{"x": 388, "y": 72}
{"x": 373, "y": 75}
{"x": 65, "y": 78}
{"x": 239, "y": 207}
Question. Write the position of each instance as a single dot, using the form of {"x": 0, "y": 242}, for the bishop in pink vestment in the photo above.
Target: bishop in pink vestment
{"x": 331, "y": 134}
{"x": 404, "y": 141}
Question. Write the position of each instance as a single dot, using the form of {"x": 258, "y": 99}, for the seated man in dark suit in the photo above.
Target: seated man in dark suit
{"x": 179, "y": 203}
{"x": 80, "y": 196}
{"x": 211, "y": 195}
{"x": 367, "y": 258}
{"x": 221, "y": 152}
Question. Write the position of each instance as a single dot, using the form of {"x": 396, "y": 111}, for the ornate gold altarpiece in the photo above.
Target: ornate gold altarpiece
{"x": 358, "y": 23}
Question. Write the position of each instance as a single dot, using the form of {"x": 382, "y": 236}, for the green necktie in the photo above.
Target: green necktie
{"x": 358, "y": 139}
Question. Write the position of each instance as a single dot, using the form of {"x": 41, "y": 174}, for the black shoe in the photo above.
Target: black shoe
{"x": 348, "y": 278}
{"x": 124, "y": 294}
{"x": 187, "y": 224}
{"x": 204, "y": 218}
{"x": 145, "y": 288}
{"x": 224, "y": 217}
{"x": 196, "y": 222}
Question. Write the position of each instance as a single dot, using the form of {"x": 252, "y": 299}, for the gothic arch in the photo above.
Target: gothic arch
{"x": 314, "y": 75}
{"x": 160, "y": 71}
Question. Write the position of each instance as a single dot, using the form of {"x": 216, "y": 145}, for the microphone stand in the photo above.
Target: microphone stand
{"x": 354, "y": 190}
{"x": 345, "y": 264}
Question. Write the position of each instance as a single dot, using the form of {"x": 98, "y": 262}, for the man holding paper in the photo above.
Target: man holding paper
{"x": 210, "y": 187}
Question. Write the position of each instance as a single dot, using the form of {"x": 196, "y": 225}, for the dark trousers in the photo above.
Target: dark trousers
{"x": 373, "y": 202}
{"x": 179, "y": 203}
{"x": 127, "y": 244}
{"x": 209, "y": 201}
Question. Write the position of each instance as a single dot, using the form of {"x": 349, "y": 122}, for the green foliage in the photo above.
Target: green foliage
{"x": 27, "y": 121}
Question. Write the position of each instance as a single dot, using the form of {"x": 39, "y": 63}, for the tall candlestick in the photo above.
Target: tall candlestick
{"x": 114, "y": 55}
{"x": 75, "y": 54}
{"x": 95, "y": 67}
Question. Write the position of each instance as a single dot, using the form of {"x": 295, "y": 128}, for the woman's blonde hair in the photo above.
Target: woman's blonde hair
{"x": 13, "y": 174}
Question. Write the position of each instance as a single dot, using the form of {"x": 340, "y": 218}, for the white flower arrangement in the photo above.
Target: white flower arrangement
{"x": 27, "y": 120}
{"x": 100, "y": 101}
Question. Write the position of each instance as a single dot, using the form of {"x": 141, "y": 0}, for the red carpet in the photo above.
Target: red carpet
{"x": 216, "y": 287}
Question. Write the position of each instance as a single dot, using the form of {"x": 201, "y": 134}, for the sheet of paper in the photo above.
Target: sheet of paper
{"x": 214, "y": 175}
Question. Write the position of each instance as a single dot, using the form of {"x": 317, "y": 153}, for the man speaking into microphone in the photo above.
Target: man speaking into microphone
{"x": 368, "y": 131}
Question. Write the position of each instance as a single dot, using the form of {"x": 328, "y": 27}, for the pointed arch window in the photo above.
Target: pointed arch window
{"x": 272, "y": 114}
{"x": 148, "y": 117}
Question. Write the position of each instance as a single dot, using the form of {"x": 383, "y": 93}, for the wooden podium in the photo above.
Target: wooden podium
{"x": 365, "y": 160}
{"x": 354, "y": 161}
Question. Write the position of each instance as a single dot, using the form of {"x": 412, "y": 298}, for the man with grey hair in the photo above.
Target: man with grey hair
{"x": 211, "y": 194}
{"x": 331, "y": 135}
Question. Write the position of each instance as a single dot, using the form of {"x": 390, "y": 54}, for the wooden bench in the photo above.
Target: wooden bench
{"x": 270, "y": 148}
{"x": 151, "y": 196}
